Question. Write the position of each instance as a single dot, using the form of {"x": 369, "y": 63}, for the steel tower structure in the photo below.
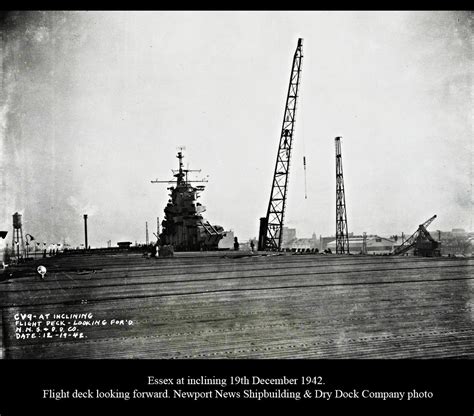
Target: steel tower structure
{"x": 342, "y": 235}
{"x": 271, "y": 226}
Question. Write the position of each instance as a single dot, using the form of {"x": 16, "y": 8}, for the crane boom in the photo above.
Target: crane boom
{"x": 271, "y": 226}
{"x": 411, "y": 241}
{"x": 428, "y": 222}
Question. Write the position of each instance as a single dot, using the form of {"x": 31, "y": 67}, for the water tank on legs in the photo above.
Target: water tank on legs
{"x": 17, "y": 221}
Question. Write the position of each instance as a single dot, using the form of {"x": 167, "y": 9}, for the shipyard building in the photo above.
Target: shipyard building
{"x": 374, "y": 245}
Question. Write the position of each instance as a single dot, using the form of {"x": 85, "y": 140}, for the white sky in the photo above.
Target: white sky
{"x": 95, "y": 104}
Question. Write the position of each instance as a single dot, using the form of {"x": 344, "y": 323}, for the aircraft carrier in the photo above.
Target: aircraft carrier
{"x": 185, "y": 300}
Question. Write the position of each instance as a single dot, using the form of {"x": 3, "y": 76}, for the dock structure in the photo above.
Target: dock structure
{"x": 239, "y": 305}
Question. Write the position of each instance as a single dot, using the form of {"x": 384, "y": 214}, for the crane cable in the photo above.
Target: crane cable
{"x": 304, "y": 167}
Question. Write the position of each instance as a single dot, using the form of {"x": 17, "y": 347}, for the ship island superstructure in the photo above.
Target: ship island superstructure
{"x": 184, "y": 227}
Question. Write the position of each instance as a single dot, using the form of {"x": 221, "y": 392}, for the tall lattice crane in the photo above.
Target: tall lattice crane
{"x": 271, "y": 226}
{"x": 421, "y": 241}
{"x": 342, "y": 234}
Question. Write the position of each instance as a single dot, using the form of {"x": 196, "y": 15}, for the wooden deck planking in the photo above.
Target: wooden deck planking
{"x": 144, "y": 275}
{"x": 359, "y": 308}
{"x": 332, "y": 307}
{"x": 20, "y": 292}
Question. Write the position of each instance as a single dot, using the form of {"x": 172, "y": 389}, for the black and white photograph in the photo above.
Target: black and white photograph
{"x": 237, "y": 185}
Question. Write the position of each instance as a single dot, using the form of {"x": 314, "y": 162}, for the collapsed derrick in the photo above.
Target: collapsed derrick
{"x": 421, "y": 242}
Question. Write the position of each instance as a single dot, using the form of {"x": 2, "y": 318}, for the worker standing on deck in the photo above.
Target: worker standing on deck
{"x": 236, "y": 244}
{"x": 154, "y": 248}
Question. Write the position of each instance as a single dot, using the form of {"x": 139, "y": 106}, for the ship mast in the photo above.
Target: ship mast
{"x": 181, "y": 173}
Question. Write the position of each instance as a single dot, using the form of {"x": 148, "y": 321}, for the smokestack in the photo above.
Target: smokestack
{"x": 85, "y": 229}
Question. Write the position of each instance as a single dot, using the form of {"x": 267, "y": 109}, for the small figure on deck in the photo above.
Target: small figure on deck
{"x": 42, "y": 271}
{"x": 252, "y": 246}
{"x": 236, "y": 244}
{"x": 154, "y": 249}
